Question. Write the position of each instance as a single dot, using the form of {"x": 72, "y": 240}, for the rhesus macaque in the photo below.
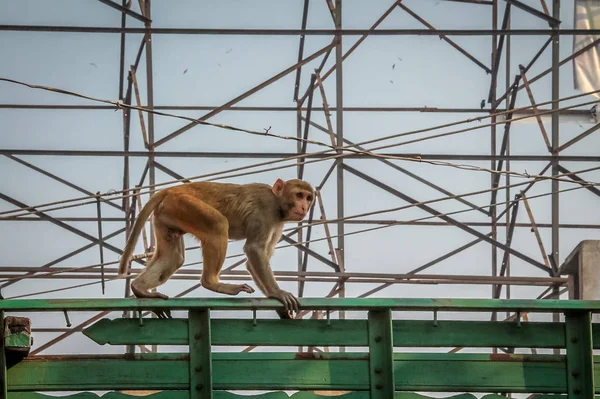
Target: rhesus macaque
{"x": 215, "y": 213}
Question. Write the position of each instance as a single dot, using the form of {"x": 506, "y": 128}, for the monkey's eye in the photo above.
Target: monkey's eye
{"x": 299, "y": 195}
{"x": 309, "y": 198}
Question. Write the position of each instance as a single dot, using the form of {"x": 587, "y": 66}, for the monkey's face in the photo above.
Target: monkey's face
{"x": 296, "y": 198}
{"x": 303, "y": 200}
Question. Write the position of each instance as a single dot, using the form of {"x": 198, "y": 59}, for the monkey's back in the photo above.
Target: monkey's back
{"x": 242, "y": 204}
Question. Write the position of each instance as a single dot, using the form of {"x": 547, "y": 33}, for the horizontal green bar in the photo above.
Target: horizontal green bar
{"x": 273, "y": 332}
{"x": 229, "y": 372}
{"x": 289, "y": 371}
{"x": 184, "y": 394}
{"x": 181, "y": 394}
{"x": 231, "y": 332}
{"x": 407, "y": 304}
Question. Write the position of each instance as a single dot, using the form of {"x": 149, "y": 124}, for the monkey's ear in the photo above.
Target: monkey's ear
{"x": 278, "y": 187}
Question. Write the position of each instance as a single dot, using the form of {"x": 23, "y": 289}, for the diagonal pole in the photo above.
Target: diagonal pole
{"x": 444, "y": 217}
{"x": 125, "y": 10}
{"x": 62, "y": 258}
{"x": 301, "y": 50}
{"x": 60, "y": 180}
{"x": 57, "y": 222}
{"x": 409, "y": 173}
{"x": 534, "y": 108}
{"x": 547, "y": 71}
{"x": 87, "y": 322}
{"x": 551, "y": 20}
{"x": 351, "y": 49}
{"x": 498, "y": 53}
{"x": 578, "y": 138}
{"x": 535, "y": 230}
{"x": 573, "y": 176}
{"x": 446, "y": 39}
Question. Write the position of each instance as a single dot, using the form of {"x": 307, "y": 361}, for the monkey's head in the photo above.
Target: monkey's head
{"x": 296, "y": 197}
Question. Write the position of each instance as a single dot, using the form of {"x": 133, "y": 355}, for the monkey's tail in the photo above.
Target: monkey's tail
{"x": 137, "y": 228}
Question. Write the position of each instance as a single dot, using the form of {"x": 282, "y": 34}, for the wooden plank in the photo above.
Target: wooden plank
{"x": 333, "y": 304}
{"x": 290, "y": 371}
{"x": 407, "y": 333}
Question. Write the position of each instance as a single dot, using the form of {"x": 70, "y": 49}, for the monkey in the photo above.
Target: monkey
{"x": 215, "y": 213}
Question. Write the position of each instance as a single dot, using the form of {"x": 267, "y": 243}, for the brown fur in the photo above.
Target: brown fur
{"x": 215, "y": 213}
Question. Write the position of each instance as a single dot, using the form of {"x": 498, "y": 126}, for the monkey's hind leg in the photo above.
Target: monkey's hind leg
{"x": 168, "y": 258}
{"x": 211, "y": 228}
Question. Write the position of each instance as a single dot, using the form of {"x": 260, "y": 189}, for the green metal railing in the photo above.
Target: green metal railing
{"x": 375, "y": 372}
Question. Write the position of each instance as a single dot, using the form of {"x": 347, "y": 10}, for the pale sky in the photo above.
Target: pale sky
{"x": 389, "y": 71}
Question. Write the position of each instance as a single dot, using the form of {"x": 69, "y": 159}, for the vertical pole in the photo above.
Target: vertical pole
{"x": 150, "y": 105}
{"x": 494, "y": 195}
{"x": 340, "y": 142}
{"x": 507, "y": 151}
{"x": 100, "y": 239}
{"x": 580, "y": 363}
{"x": 122, "y": 63}
{"x": 555, "y": 144}
{"x": 3, "y": 381}
{"x": 299, "y": 168}
{"x": 126, "y": 140}
{"x": 381, "y": 354}
{"x": 200, "y": 354}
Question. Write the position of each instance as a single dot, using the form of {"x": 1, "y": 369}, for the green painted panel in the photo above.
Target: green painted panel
{"x": 381, "y": 350}
{"x": 129, "y": 332}
{"x": 580, "y": 361}
{"x": 290, "y": 332}
{"x": 291, "y": 374}
{"x": 269, "y": 395}
{"x": 86, "y": 374}
{"x": 182, "y": 394}
{"x": 412, "y": 372}
{"x": 480, "y": 376}
{"x": 475, "y": 334}
{"x": 200, "y": 360}
{"x": 275, "y": 332}
{"x": 406, "y": 304}
{"x": 18, "y": 340}
{"x": 231, "y": 332}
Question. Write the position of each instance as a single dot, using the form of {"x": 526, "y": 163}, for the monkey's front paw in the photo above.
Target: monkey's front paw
{"x": 290, "y": 302}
